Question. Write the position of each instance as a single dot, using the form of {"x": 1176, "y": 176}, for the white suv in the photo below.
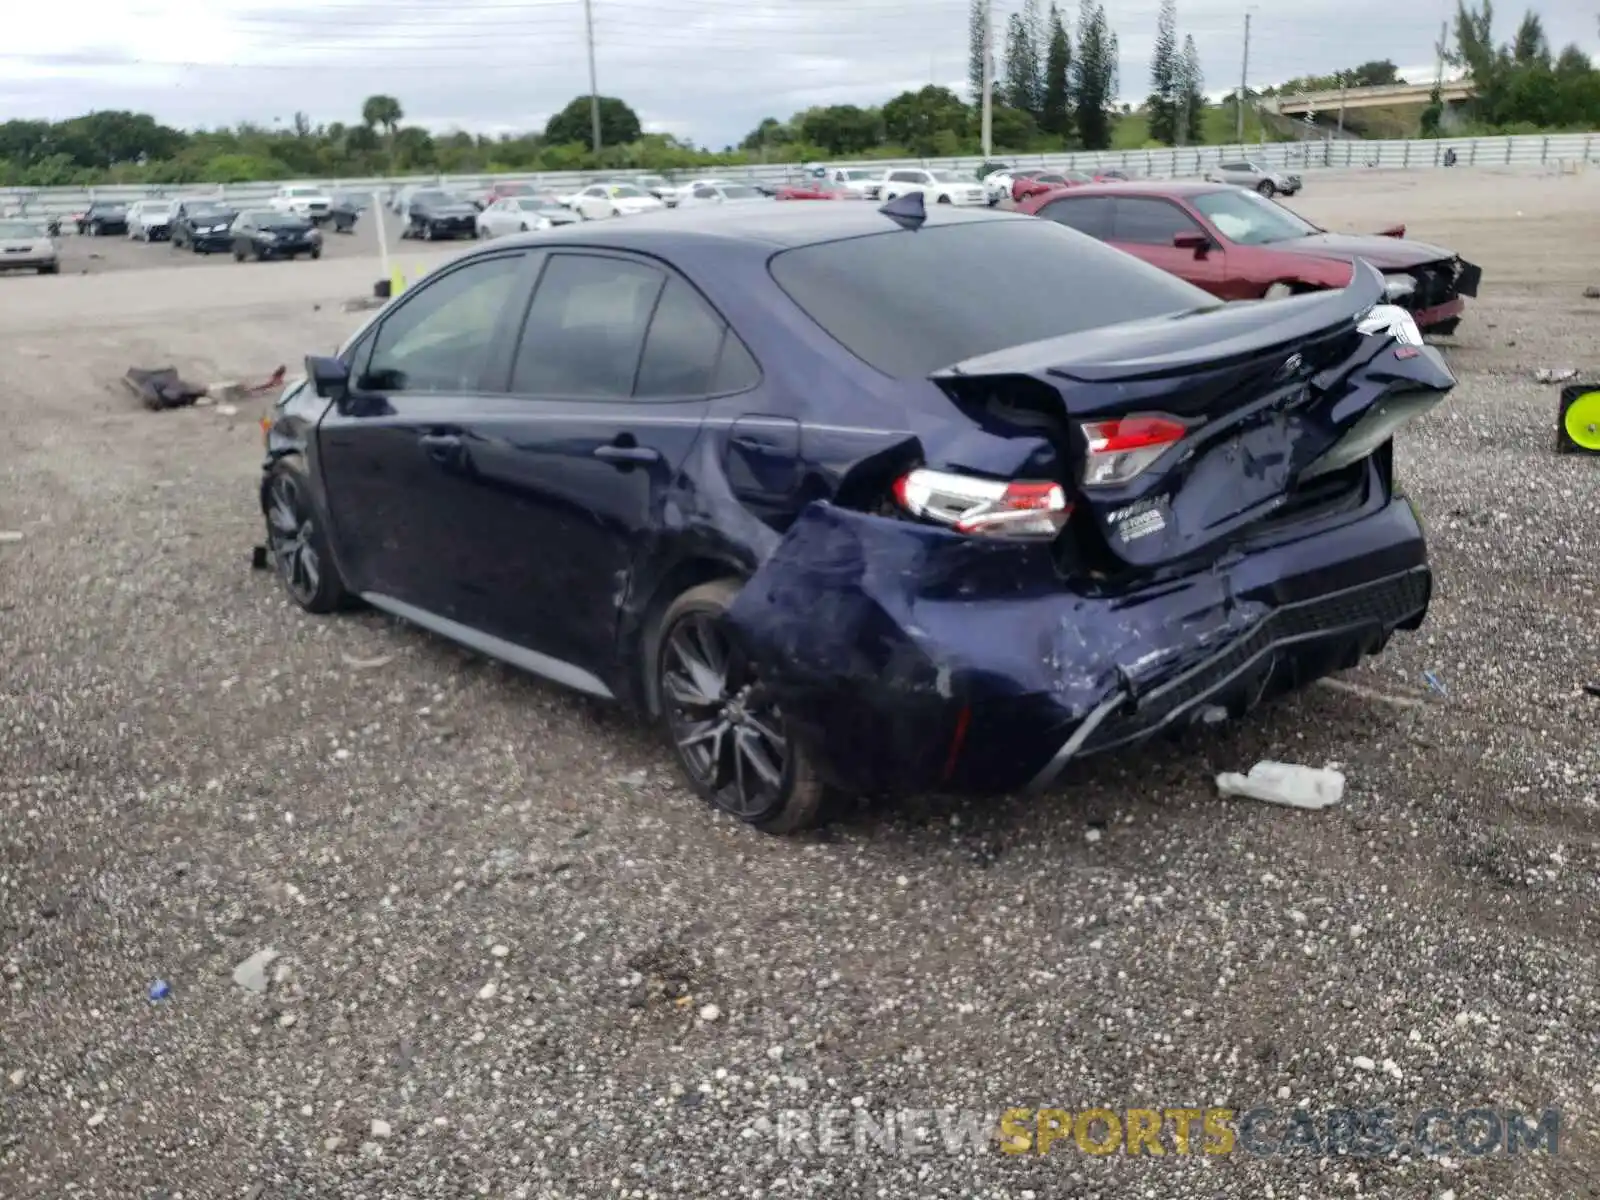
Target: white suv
{"x": 303, "y": 200}
{"x": 937, "y": 186}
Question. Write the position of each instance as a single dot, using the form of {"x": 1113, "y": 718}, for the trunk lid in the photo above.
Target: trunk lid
{"x": 1278, "y": 400}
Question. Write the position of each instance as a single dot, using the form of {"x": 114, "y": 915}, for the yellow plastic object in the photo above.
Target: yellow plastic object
{"x": 397, "y": 282}
{"x": 1582, "y": 421}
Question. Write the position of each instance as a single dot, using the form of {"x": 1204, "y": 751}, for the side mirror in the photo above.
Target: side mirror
{"x": 1198, "y": 242}
{"x": 329, "y": 376}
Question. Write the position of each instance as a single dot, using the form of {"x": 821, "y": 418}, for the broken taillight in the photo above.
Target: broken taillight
{"x": 1027, "y": 508}
{"x": 1120, "y": 449}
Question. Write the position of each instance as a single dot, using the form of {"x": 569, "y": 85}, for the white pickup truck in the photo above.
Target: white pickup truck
{"x": 303, "y": 200}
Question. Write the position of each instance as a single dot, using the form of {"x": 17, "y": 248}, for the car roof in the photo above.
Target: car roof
{"x": 1183, "y": 188}
{"x": 776, "y": 226}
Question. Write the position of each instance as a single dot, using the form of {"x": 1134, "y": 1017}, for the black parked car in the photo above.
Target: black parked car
{"x": 346, "y": 207}
{"x": 780, "y": 476}
{"x": 264, "y": 233}
{"x": 203, "y": 226}
{"x": 101, "y": 217}
{"x": 436, "y": 214}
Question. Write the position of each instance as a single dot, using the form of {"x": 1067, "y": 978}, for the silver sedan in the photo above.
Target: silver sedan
{"x": 522, "y": 214}
{"x": 26, "y": 245}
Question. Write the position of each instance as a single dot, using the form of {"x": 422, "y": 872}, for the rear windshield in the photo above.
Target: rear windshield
{"x": 909, "y": 303}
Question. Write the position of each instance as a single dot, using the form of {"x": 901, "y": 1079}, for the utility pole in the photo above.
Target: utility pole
{"x": 594, "y": 89}
{"x": 1444, "y": 36}
{"x": 1244, "y": 79}
{"x": 988, "y": 79}
{"x": 1341, "y": 102}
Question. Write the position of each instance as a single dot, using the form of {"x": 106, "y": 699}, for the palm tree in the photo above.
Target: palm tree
{"x": 383, "y": 111}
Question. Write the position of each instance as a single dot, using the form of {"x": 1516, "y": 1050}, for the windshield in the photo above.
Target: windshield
{"x": 430, "y": 198}
{"x": 20, "y": 229}
{"x": 624, "y": 192}
{"x": 1250, "y": 219}
{"x": 947, "y": 177}
{"x": 859, "y": 175}
{"x": 208, "y": 213}
{"x": 652, "y": 181}
{"x": 738, "y": 191}
{"x": 905, "y": 304}
{"x": 1079, "y": 176}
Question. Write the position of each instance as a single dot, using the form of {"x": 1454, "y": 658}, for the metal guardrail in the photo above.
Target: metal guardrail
{"x": 1524, "y": 151}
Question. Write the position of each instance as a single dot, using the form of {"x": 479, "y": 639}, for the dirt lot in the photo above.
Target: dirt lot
{"x": 488, "y": 896}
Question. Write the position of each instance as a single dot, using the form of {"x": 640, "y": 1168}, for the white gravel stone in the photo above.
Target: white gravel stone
{"x": 251, "y": 974}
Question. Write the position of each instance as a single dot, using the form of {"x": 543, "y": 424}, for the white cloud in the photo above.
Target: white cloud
{"x": 705, "y": 69}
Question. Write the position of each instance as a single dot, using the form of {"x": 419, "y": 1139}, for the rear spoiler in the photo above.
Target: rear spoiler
{"x": 1181, "y": 342}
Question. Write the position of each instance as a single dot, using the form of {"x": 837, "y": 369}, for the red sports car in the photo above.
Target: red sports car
{"x": 815, "y": 189}
{"x": 1238, "y": 245}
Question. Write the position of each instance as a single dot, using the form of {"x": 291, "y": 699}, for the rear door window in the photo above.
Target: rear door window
{"x": 1145, "y": 222}
{"x": 1088, "y": 214}
{"x": 585, "y": 329}
{"x": 905, "y": 304}
{"x": 682, "y": 346}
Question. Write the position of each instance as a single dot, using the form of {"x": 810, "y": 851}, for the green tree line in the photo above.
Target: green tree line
{"x": 1520, "y": 85}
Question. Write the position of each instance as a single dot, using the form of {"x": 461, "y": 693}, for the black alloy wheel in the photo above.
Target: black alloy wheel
{"x": 297, "y": 546}
{"x": 1267, "y": 188}
{"x": 728, "y": 733}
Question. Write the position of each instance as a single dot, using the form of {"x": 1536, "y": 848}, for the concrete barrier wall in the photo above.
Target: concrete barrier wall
{"x": 1528, "y": 151}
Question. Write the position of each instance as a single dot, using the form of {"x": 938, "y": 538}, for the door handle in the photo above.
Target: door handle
{"x": 627, "y": 455}
{"x": 441, "y": 447}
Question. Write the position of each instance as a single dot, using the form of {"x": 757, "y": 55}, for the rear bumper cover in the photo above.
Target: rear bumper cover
{"x": 909, "y": 659}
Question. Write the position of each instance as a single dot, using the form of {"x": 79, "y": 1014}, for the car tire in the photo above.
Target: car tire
{"x": 1267, "y": 188}
{"x": 427, "y": 233}
{"x": 297, "y": 545}
{"x": 238, "y": 254}
{"x": 786, "y": 795}
{"x": 94, "y": 228}
{"x": 316, "y": 252}
{"x": 52, "y": 269}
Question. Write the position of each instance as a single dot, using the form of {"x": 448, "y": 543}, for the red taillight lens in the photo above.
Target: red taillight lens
{"x": 1120, "y": 449}
{"x": 1030, "y": 509}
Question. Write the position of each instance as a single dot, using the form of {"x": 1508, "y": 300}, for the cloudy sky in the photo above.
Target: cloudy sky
{"x": 705, "y": 69}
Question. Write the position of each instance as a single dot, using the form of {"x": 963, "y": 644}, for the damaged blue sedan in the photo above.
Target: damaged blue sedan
{"x": 858, "y": 501}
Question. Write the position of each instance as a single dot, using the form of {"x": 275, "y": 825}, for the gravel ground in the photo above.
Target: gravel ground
{"x": 516, "y": 958}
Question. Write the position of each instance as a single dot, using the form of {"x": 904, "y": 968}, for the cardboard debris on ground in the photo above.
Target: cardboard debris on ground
{"x": 160, "y": 388}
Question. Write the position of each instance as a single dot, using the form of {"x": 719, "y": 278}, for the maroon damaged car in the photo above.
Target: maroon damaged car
{"x": 1238, "y": 245}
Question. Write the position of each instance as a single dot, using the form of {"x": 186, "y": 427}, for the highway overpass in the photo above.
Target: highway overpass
{"x": 1318, "y": 103}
